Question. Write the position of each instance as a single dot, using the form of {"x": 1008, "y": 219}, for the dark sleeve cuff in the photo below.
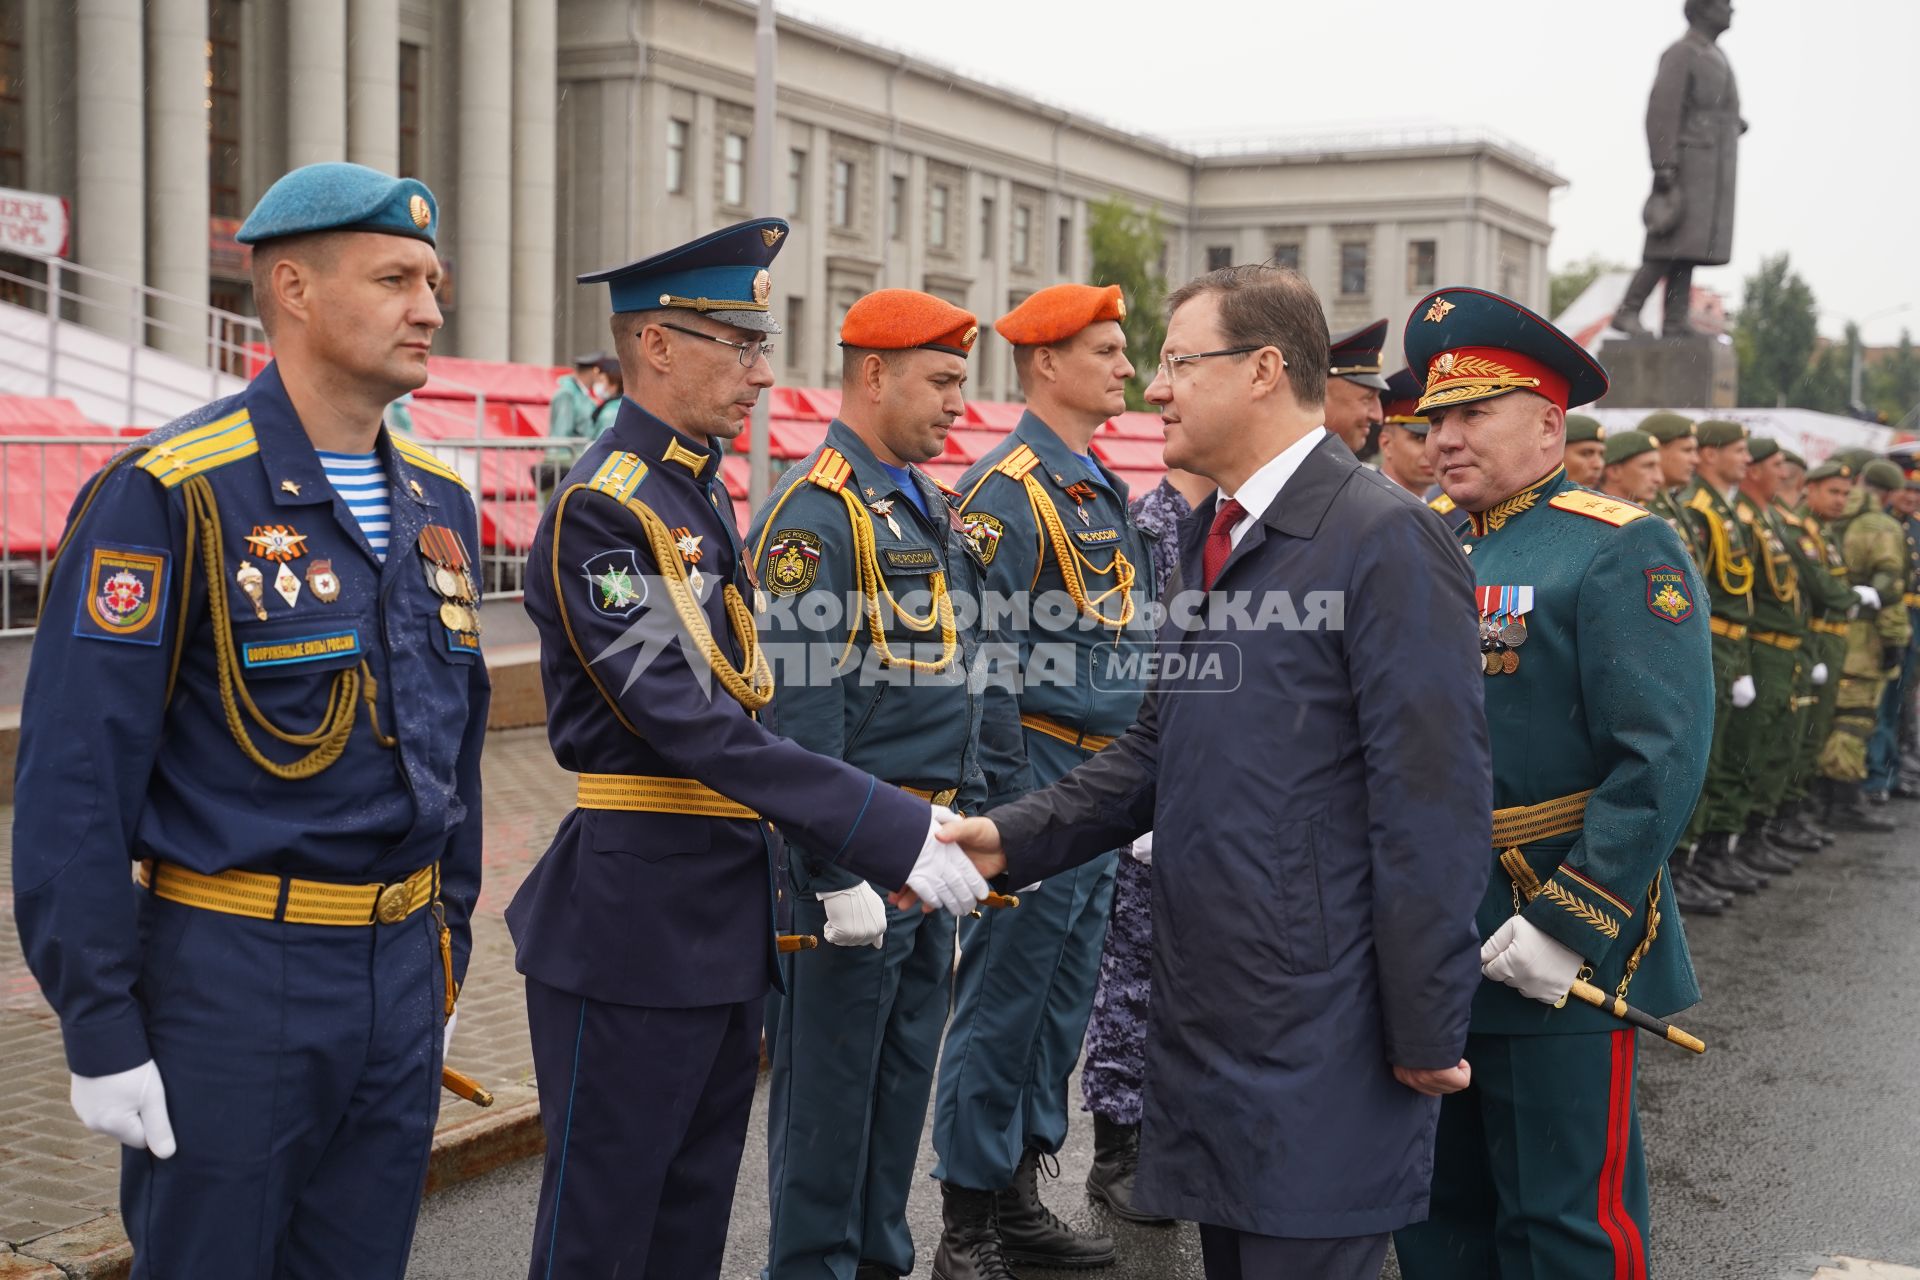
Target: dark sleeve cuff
{"x": 107, "y": 1046}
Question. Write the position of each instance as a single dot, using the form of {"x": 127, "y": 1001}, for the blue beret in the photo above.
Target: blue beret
{"x": 723, "y": 275}
{"x": 342, "y": 197}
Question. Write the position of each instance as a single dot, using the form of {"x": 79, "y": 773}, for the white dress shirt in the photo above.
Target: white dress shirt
{"x": 1264, "y": 485}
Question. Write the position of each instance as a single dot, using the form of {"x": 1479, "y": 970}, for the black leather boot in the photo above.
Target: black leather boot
{"x": 1713, "y": 859}
{"x": 1850, "y": 812}
{"x": 1116, "y": 1156}
{"x": 1784, "y": 831}
{"x": 1696, "y": 897}
{"x": 1032, "y": 1236}
{"x": 969, "y": 1237}
{"x": 1764, "y": 856}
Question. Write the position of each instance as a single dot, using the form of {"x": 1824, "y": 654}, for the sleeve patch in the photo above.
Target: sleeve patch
{"x": 617, "y": 586}
{"x": 125, "y": 597}
{"x": 985, "y": 532}
{"x": 793, "y": 561}
{"x": 1668, "y": 598}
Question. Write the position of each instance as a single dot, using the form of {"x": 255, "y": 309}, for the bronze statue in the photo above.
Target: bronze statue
{"x": 1693, "y": 133}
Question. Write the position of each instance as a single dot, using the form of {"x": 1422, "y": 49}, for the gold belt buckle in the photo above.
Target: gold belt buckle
{"x": 391, "y": 906}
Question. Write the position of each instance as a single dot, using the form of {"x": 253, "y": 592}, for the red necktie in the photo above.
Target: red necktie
{"x": 1220, "y": 540}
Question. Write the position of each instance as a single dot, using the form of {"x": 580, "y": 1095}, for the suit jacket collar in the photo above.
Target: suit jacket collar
{"x": 1298, "y": 510}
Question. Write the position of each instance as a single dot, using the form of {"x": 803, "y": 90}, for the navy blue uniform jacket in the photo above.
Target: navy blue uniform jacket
{"x": 1322, "y": 835}
{"x": 670, "y": 910}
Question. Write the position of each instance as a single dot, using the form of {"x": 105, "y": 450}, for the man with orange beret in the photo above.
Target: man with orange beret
{"x": 863, "y": 555}
{"x": 1052, "y": 526}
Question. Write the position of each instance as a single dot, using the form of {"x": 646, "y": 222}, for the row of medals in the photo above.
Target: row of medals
{"x": 459, "y": 601}
{"x": 1498, "y": 645}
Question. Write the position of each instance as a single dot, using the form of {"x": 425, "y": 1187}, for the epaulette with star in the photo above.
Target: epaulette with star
{"x": 1596, "y": 506}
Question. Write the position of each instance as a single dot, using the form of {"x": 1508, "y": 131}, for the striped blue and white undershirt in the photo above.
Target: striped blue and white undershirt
{"x": 362, "y": 485}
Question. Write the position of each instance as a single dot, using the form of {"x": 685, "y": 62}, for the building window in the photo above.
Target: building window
{"x": 1065, "y": 247}
{"x": 1286, "y": 254}
{"x": 896, "y": 206}
{"x": 223, "y": 109}
{"x": 1423, "y": 258}
{"x": 1022, "y": 235}
{"x": 790, "y": 337}
{"x": 409, "y": 110}
{"x": 986, "y": 229}
{"x": 676, "y": 156}
{"x": 843, "y": 193}
{"x": 733, "y": 170}
{"x": 796, "y": 182}
{"x": 937, "y": 215}
{"x": 1353, "y": 270}
{"x": 1219, "y": 257}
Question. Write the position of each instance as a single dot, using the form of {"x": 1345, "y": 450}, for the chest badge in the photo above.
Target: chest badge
{"x": 254, "y": 583}
{"x": 277, "y": 542}
{"x": 687, "y": 543}
{"x": 1081, "y": 492}
{"x": 287, "y": 583}
{"x": 884, "y": 509}
{"x": 289, "y": 486}
{"x": 322, "y": 581}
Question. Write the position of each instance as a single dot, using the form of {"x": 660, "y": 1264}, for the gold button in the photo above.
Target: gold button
{"x": 391, "y": 908}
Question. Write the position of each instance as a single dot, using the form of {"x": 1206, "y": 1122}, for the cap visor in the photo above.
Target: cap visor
{"x": 1373, "y": 380}
{"x": 757, "y": 321}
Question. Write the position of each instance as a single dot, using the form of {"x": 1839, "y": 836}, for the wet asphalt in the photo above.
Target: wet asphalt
{"x": 1795, "y": 1139}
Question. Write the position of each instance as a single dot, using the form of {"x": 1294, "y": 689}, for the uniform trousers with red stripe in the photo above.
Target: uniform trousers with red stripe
{"x": 1538, "y": 1170}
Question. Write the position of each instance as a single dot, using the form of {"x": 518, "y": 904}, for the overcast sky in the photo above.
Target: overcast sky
{"x": 1829, "y": 173}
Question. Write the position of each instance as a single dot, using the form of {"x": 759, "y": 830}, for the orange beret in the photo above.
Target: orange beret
{"x": 902, "y": 319}
{"x": 1058, "y": 312}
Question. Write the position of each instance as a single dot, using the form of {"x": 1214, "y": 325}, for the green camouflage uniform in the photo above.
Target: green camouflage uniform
{"x": 1875, "y": 550}
{"x": 1823, "y": 580}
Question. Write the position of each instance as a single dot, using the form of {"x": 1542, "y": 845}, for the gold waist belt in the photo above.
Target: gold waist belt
{"x": 1731, "y": 630}
{"x": 259, "y": 895}
{"x": 1913, "y": 600}
{"x": 1777, "y": 640}
{"x": 637, "y": 793}
{"x": 935, "y": 797}
{"x": 1523, "y": 824}
{"x": 1072, "y": 737}
{"x": 1829, "y": 628}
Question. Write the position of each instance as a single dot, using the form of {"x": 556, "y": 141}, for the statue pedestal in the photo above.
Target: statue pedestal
{"x": 1689, "y": 371}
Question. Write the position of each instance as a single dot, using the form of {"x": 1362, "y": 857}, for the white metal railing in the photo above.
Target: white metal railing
{"x": 40, "y": 477}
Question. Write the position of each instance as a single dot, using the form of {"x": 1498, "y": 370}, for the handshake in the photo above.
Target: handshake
{"x": 949, "y": 875}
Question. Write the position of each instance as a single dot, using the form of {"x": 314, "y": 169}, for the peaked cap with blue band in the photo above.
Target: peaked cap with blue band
{"x": 336, "y": 196}
{"x": 1474, "y": 345}
{"x": 723, "y": 275}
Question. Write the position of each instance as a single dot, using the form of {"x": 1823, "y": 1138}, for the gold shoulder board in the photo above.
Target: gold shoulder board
{"x": 1442, "y": 505}
{"x": 426, "y": 460}
{"x": 202, "y": 449}
{"x": 619, "y": 476}
{"x": 1597, "y": 507}
{"x": 830, "y": 471}
{"x": 1018, "y": 463}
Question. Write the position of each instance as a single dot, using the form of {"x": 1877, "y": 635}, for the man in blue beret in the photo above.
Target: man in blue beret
{"x": 646, "y": 930}
{"x": 257, "y": 684}
{"x": 1596, "y": 763}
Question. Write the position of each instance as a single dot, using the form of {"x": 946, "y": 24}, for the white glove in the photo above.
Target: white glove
{"x": 1143, "y": 850}
{"x": 1868, "y": 597}
{"x": 1819, "y": 673}
{"x": 1531, "y": 961}
{"x": 446, "y": 1036}
{"x": 130, "y": 1106}
{"x": 944, "y": 876}
{"x": 856, "y": 917}
{"x": 1744, "y": 692}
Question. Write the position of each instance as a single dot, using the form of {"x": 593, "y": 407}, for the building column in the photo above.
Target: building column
{"x": 110, "y": 187}
{"x": 536, "y": 70}
{"x": 373, "y": 84}
{"x": 317, "y": 82}
{"x": 177, "y": 196}
{"x": 483, "y": 250}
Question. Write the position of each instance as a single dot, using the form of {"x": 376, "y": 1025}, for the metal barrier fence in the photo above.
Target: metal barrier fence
{"x": 42, "y": 476}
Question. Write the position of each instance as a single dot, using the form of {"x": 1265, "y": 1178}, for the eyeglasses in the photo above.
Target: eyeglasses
{"x": 1168, "y": 364}
{"x": 749, "y": 351}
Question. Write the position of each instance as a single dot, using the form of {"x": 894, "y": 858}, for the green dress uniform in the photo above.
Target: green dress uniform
{"x": 1726, "y": 563}
{"x": 1665, "y": 503}
{"x": 1875, "y": 551}
{"x": 1823, "y": 579}
{"x": 1760, "y": 739}
{"x": 1599, "y": 691}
